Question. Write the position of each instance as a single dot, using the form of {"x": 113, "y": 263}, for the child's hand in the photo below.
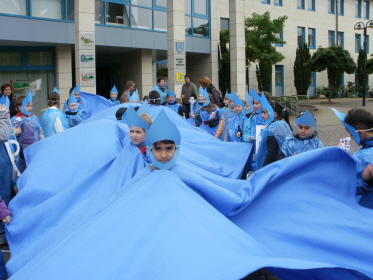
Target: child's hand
{"x": 250, "y": 138}
{"x": 294, "y": 154}
{"x": 2, "y": 107}
{"x": 238, "y": 134}
{"x": 6, "y": 219}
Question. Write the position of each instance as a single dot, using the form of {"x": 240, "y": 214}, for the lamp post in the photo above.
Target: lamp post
{"x": 360, "y": 26}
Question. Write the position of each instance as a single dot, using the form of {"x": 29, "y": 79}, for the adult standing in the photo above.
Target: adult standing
{"x": 188, "y": 90}
{"x": 162, "y": 89}
{"x": 129, "y": 89}
{"x": 215, "y": 94}
{"x": 7, "y": 90}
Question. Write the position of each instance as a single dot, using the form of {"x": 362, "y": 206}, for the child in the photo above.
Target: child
{"x": 249, "y": 108}
{"x": 233, "y": 132}
{"x": 359, "y": 123}
{"x": 208, "y": 113}
{"x": 306, "y": 138}
{"x": 172, "y": 104}
{"x": 75, "y": 114}
{"x": 195, "y": 107}
{"x": 53, "y": 120}
{"x": 138, "y": 124}
{"x": 224, "y": 114}
{"x": 76, "y": 92}
{"x": 114, "y": 96}
{"x": 256, "y": 117}
{"x": 135, "y": 98}
{"x": 274, "y": 134}
{"x": 26, "y": 126}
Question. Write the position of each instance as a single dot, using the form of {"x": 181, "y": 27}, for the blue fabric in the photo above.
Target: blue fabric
{"x": 113, "y": 102}
{"x": 162, "y": 94}
{"x": 363, "y": 156}
{"x": 256, "y": 119}
{"x": 74, "y": 120}
{"x": 293, "y": 145}
{"x": 280, "y": 130}
{"x": 49, "y": 118}
{"x": 235, "y": 121}
{"x": 6, "y": 171}
{"x": 93, "y": 103}
{"x": 174, "y": 107}
{"x": 247, "y": 130}
{"x": 30, "y": 131}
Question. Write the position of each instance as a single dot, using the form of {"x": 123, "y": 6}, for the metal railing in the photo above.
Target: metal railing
{"x": 291, "y": 102}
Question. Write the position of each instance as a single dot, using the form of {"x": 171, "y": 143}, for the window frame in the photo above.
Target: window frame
{"x": 358, "y": 42}
{"x": 313, "y": 37}
{"x": 302, "y": 7}
{"x": 331, "y": 4}
{"x": 313, "y": 5}
{"x": 303, "y": 35}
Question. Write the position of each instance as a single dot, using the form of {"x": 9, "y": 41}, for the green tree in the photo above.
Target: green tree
{"x": 302, "y": 72}
{"x": 335, "y": 60}
{"x": 224, "y": 65}
{"x": 360, "y": 72}
{"x": 260, "y": 35}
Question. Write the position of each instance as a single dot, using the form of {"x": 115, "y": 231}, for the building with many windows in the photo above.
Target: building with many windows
{"x": 95, "y": 43}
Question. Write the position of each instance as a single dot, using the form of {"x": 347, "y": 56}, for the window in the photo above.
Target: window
{"x": 331, "y": 38}
{"x": 366, "y": 11}
{"x": 224, "y": 23}
{"x": 358, "y": 8}
{"x": 341, "y": 40}
{"x": 266, "y": 1}
{"x": 357, "y": 42}
{"x": 312, "y": 38}
{"x": 277, "y": 2}
{"x": 301, "y": 36}
{"x": 331, "y": 6}
{"x": 367, "y": 44}
{"x": 279, "y": 80}
{"x": 341, "y": 7}
{"x": 281, "y": 37}
{"x": 311, "y": 5}
{"x": 17, "y": 7}
{"x": 300, "y": 4}
{"x": 197, "y": 20}
{"x": 312, "y": 86}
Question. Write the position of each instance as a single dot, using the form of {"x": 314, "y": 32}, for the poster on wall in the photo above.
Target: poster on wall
{"x": 87, "y": 41}
{"x": 87, "y": 77}
{"x": 87, "y": 59}
{"x": 180, "y": 77}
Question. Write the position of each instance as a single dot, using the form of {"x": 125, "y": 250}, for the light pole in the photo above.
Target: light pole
{"x": 360, "y": 26}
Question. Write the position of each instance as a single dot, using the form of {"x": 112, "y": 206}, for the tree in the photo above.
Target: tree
{"x": 302, "y": 72}
{"x": 335, "y": 60}
{"x": 260, "y": 35}
{"x": 360, "y": 72}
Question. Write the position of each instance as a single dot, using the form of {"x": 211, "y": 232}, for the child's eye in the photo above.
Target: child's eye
{"x": 157, "y": 148}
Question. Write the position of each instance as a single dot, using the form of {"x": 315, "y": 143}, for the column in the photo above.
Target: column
{"x": 63, "y": 71}
{"x": 85, "y": 60}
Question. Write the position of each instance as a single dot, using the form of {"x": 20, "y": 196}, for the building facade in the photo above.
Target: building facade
{"x": 94, "y": 43}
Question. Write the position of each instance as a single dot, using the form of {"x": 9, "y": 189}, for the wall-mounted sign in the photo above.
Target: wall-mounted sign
{"x": 87, "y": 59}
{"x": 87, "y": 41}
{"x": 180, "y": 63}
{"x": 179, "y": 76}
{"x": 87, "y": 77}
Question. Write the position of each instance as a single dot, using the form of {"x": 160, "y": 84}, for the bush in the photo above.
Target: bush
{"x": 325, "y": 91}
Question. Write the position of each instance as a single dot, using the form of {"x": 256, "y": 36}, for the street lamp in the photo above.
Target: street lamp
{"x": 360, "y": 26}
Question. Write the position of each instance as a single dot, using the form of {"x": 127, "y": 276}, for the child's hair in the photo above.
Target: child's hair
{"x": 154, "y": 97}
{"x": 18, "y": 102}
{"x": 155, "y": 144}
{"x": 123, "y": 99}
{"x": 209, "y": 108}
{"x": 226, "y": 97}
{"x": 53, "y": 99}
{"x": 282, "y": 112}
{"x": 119, "y": 113}
{"x": 359, "y": 119}
{"x": 178, "y": 100}
{"x": 146, "y": 118}
{"x": 300, "y": 114}
{"x": 145, "y": 98}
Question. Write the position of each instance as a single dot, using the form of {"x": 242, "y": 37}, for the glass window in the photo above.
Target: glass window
{"x": 331, "y": 6}
{"x": 367, "y": 44}
{"x": 145, "y": 3}
{"x": 70, "y": 10}
{"x": 358, "y": 8}
{"x": 188, "y": 25}
{"x": 161, "y": 3}
{"x": 99, "y": 12}
{"x": 160, "y": 20}
{"x": 277, "y": 2}
{"x": 311, "y": 5}
{"x": 141, "y": 18}
{"x": 331, "y": 38}
{"x": 301, "y": 36}
{"x": 200, "y": 7}
{"x": 311, "y": 38}
{"x": 200, "y": 27}
{"x": 39, "y": 58}
{"x": 279, "y": 36}
{"x": 188, "y": 7}
{"x": 300, "y": 4}
{"x": 341, "y": 41}
{"x": 266, "y": 1}
{"x": 47, "y": 8}
{"x": 14, "y": 7}
{"x": 116, "y": 14}
{"x": 357, "y": 42}
{"x": 224, "y": 23}
{"x": 10, "y": 59}
{"x": 366, "y": 7}
{"x": 341, "y": 7}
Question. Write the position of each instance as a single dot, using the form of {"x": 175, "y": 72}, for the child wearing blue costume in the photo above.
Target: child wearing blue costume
{"x": 233, "y": 131}
{"x": 76, "y": 92}
{"x": 195, "y": 108}
{"x": 172, "y": 104}
{"x": 224, "y": 114}
{"x": 249, "y": 109}
{"x": 359, "y": 123}
{"x": 75, "y": 114}
{"x": 27, "y": 127}
{"x": 114, "y": 96}
{"x": 208, "y": 113}
{"x": 306, "y": 138}
{"x": 53, "y": 120}
{"x": 273, "y": 136}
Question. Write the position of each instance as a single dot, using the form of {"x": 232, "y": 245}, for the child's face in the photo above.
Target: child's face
{"x": 134, "y": 101}
{"x": 164, "y": 152}
{"x": 137, "y": 135}
{"x": 200, "y": 97}
{"x": 247, "y": 106}
{"x": 238, "y": 109}
{"x": 113, "y": 95}
{"x": 28, "y": 107}
{"x": 170, "y": 98}
{"x": 304, "y": 130}
{"x": 76, "y": 94}
{"x": 226, "y": 102}
{"x": 257, "y": 105}
{"x": 73, "y": 106}
{"x": 264, "y": 114}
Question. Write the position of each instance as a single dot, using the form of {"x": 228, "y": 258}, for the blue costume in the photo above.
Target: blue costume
{"x": 173, "y": 105}
{"x": 76, "y": 116}
{"x": 84, "y": 103}
{"x": 49, "y": 119}
{"x": 114, "y": 101}
{"x": 162, "y": 92}
{"x": 235, "y": 122}
{"x": 295, "y": 145}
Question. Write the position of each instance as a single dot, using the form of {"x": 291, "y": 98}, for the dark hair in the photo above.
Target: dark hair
{"x": 4, "y": 86}
{"x": 163, "y": 142}
{"x": 145, "y": 98}
{"x": 359, "y": 119}
{"x": 154, "y": 97}
{"x": 282, "y": 112}
{"x": 18, "y": 101}
{"x": 160, "y": 79}
{"x": 71, "y": 90}
{"x": 209, "y": 108}
{"x": 189, "y": 76}
{"x": 53, "y": 99}
{"x": 119, "y": 113}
